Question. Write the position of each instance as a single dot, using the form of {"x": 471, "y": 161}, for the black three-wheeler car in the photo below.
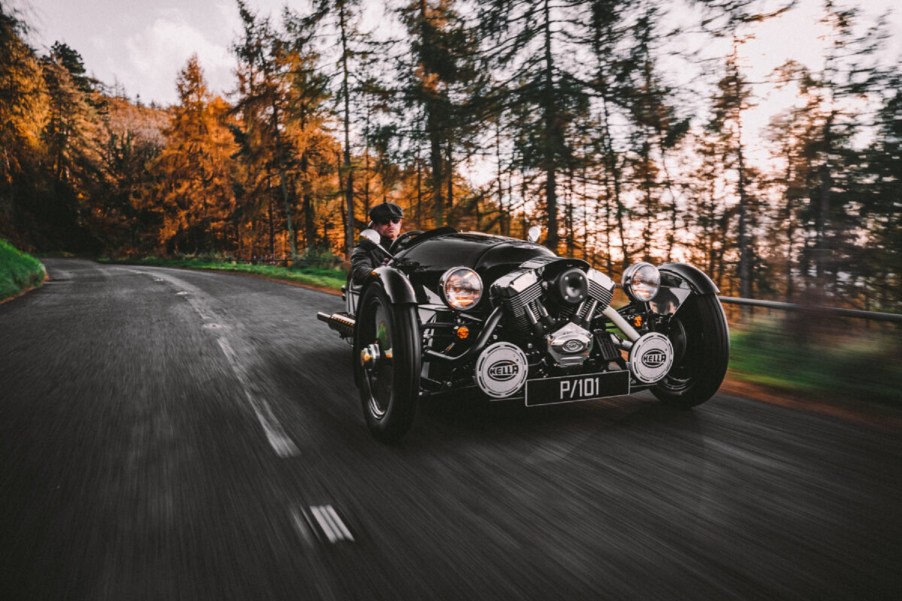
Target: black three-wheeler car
{"x": 509, "y": 319}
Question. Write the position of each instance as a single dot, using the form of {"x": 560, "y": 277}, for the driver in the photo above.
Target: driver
{"x": 385, "y": 219}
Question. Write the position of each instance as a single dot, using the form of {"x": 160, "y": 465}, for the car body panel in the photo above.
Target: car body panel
{"x": 490, "y": 256}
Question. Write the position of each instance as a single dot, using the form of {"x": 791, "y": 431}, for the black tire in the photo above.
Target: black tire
{"x": 388, "y": 390}
{"x": 701, "y": 343}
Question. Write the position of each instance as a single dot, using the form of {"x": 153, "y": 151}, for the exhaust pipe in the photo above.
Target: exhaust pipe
{"x": 340, "y": 322}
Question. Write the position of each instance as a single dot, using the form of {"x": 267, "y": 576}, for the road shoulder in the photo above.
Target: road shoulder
{"x": 874, "y": 416}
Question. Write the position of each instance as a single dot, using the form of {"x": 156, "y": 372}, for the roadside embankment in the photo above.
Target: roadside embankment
{"x": 825, "y": 361}
{"x": 19, "y": 271}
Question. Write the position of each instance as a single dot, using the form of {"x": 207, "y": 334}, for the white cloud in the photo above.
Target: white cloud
{"x": 154, "y": 56}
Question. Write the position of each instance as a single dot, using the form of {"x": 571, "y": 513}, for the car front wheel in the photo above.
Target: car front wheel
{"x": 387, "y": 353}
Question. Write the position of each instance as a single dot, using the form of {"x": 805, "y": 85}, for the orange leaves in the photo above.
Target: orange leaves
{"x": 195, "y": 170}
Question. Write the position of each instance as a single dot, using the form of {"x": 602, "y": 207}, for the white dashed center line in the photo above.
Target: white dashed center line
{"x": 199, "y": 301}
{"x": 330, "y": 523}
{"x": 275, "y": 434}
{"x": 304, "y": 526}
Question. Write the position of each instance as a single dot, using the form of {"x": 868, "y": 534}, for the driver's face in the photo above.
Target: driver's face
{"x": 389, "y": 230}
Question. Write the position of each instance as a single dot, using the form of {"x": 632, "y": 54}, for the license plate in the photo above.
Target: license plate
{"x": 570, "y": 389}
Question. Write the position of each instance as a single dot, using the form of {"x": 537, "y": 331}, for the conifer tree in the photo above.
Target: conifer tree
{"x": 438, "y": 69}
{"x": 21, "y": 110}
{"x": 881, "y": 260}
{"x": 308, "y": 112}
{"x": 194, "y": 168}
{"x": 609, "y": 85}
{"x": 824, "y": 126}
{"x": 528, "y": 42}
{"x": 263, "y": 83}
{"x": 342, "y": 16}
{"x": 70, "y": 134}
{"x": 729, "y": 103}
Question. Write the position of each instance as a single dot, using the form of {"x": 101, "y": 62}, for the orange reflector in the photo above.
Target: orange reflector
{"x": 463, "y": 332}
{"x": 637, "y": 321}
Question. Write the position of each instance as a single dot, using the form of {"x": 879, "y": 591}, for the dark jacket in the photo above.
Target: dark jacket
{"x": 364, "y": 259}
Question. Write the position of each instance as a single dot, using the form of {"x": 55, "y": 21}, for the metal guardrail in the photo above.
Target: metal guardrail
{"x": 872, "y": 315}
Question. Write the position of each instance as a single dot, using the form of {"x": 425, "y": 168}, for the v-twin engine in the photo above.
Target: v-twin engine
{"x": 554, "y": 301}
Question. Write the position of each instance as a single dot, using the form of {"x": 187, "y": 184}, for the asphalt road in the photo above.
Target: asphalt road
{"x": 168, "y": 434}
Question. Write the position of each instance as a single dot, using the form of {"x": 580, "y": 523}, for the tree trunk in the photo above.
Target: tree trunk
{"x": 744, "y": 272}
{"x": 499, "y": 173}
{"x": 272, "y": 228}
{"x": 551, "y": 135}
{"x": 348, "y": 172}
{"x": 283, "y": 185}
{"x": 449, "y": 175}
{"x": 823, "y": 206}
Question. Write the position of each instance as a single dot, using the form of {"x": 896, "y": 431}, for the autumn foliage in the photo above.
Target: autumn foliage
{"x": 489, "y": 116}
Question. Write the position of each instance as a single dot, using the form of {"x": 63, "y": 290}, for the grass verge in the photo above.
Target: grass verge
{"x": 18, "y": 271}
{"x": 319, "y": 277}
{"x": 828, "y": 366}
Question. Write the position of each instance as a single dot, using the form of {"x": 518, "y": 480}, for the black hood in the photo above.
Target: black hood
{"x": 490, "y": 256}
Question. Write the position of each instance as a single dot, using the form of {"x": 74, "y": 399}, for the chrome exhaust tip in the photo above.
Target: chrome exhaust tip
{"x": 340, "y": 322}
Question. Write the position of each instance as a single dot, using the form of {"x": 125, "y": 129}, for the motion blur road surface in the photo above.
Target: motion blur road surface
{"x": 168, "y": 434}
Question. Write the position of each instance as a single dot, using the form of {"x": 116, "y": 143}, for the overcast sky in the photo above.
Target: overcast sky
{"x": 142, "y": 44}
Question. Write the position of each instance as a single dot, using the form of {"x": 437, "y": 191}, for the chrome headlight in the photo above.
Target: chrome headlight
{"x": 461, "y": 287}
{"x": 641, "y": 281}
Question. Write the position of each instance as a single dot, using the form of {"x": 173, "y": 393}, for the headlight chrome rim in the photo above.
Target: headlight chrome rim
{"x": 641, "y": 281}
{"x": 461, "y": 288}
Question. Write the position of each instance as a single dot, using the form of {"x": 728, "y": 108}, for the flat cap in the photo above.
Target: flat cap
{"x": 385, "y": 211}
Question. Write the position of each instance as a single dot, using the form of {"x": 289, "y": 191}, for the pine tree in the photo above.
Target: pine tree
{"x": 824, "y": 128}
{"x": 264, "y": 79}
{"x": 784, "y": 132}
{"x": 880, "y": 262}
{"x": 656, "y": 129}
{"x": 438, "y": 69}
{"x": 528, "y": 42}
{"x": 194, "y": 168}
{"x": 732, "y": 99}
{"x": 70, "y": 134}
{"x": 343, "y": 15}
{"x": 73, "y": 139}
{"x": 609, "y": 84}
{"x": 308, "y": 112}
{"x": 22, "y": 106}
